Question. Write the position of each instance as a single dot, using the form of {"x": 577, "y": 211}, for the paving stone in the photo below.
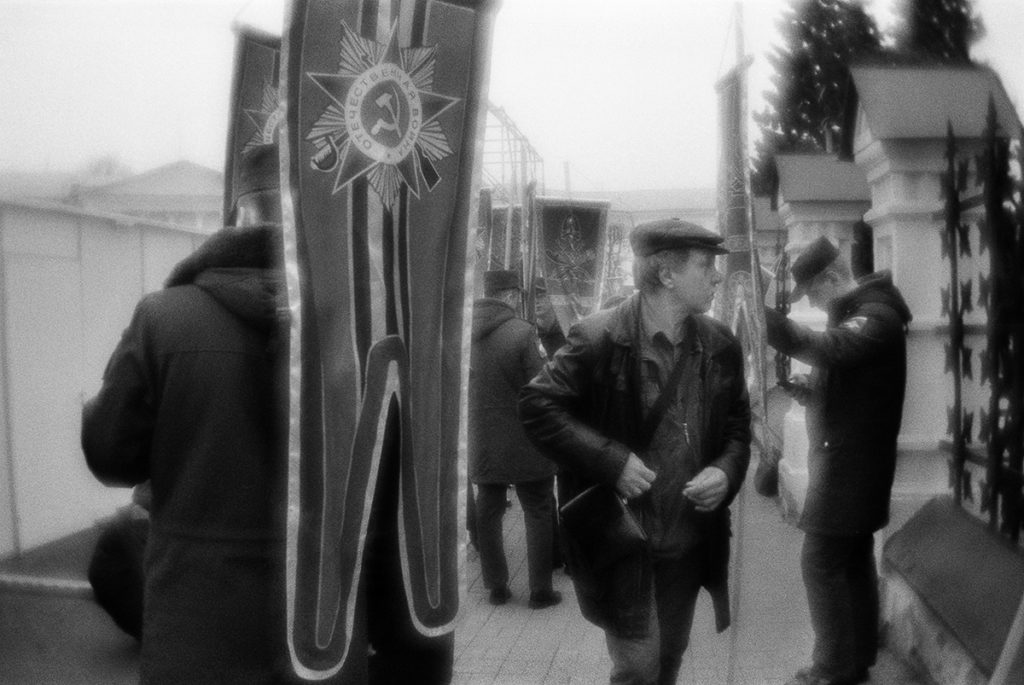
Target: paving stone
{"x": 770, "y": 639}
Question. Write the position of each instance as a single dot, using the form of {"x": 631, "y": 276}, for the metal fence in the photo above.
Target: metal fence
{"x": 983, "y": 206}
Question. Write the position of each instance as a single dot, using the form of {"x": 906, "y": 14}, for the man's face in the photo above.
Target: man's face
{"x": 544, "y": 310}
{"x": 695, "y": 281}
{"x": 821, "y": 291}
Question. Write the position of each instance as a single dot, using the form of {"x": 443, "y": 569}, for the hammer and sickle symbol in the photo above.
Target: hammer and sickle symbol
{"x": 384, "y": 101}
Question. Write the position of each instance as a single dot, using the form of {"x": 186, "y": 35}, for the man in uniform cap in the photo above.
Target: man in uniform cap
{"x": 648, "y": 398}
{"x": 854, "y": 400}
{"x": 811, "y": 262}
{"x": 505, "y": 355}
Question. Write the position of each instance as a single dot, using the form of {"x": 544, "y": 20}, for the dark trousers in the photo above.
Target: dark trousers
{"x": 657, "y": 657}
{"x": 401, "y": 653}
{"x": 842, "y": 593}
{"x": 537, "y": 501}
{"x": 116, "y": 571}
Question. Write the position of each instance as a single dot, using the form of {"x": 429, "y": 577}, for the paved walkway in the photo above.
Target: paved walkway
{"x": 66, "y": 638}
{"x": 770, "y": 640}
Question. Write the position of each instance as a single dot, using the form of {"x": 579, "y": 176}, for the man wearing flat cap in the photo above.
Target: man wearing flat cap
{"x": 854, "y": 400}
{"x": 648, "y": 398}
{"x": 505, "y": 355}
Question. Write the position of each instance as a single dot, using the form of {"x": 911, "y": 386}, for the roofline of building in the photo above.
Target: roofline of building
{"x": 575, "y": 201}
{"x": 124, "y": 220}
{"x": 852, "y": 98}
{"x": 106, "y": 187}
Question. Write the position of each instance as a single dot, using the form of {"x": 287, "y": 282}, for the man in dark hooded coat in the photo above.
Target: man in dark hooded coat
{"x": 191, "y": 402}
{"x": 854, "y": 400}
{"x": 505, "y": 355}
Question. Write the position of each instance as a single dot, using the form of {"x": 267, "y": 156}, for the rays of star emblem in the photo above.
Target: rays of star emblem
{"x": 266, "y": 118}
{"x": 382, "y": 119}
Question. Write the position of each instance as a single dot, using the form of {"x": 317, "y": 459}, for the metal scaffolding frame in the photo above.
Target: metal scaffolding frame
{"x": 510, "y": 162}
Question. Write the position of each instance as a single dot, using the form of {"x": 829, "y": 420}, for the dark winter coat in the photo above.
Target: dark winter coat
{"x": 856, "y": 404}
{"x": 505, "y": 356}
{"x": 585, "y": 412}
{"x": 190, "y": 400}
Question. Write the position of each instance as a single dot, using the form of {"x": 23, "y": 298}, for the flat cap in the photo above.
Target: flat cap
{"x": 811, "y": 262}
{"x": 258, "y": 169}
{"x": 496, "y": 281}
{"x": 673, "y": 234}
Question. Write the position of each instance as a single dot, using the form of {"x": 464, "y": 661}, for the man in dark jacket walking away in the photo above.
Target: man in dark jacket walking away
{"x": 191, "y": 401}
{"x": 505, "y": 355}
{"x": 854, "y": 400}
{"x": 648, "y": 398}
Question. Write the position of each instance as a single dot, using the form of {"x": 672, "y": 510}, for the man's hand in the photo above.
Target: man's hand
{"x": 635, "y": 478}
{"x": 798, "y": 386}
{"x": 707, "y": 489}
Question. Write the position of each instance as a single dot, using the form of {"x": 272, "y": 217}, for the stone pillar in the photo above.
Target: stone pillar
{"x": 904, "y": 178}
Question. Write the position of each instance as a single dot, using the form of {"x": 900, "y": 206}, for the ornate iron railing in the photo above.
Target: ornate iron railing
{"x": 993, "y": 210}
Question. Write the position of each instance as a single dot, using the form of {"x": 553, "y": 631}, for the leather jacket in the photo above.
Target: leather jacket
{"x": 584, "y": 412}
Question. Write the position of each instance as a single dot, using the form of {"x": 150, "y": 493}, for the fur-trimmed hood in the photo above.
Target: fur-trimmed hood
{"x": 241, "y": 268}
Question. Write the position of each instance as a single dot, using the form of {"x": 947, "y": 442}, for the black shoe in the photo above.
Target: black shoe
{"x": 500, "y": 595}
{"x": 542, "y": 599}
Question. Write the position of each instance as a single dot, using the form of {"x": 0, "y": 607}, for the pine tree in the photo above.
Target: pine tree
{"x": 821, "y": 38}
{"x": 939, "y": 30}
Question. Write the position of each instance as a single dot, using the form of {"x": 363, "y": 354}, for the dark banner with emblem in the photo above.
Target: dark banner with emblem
{"x": 733, "y": 201}
{"x": 572, "y": 237}
{"x": 740, "y": 303}
{"x": 383, "y": 112}
{"x": 255, "y": 116}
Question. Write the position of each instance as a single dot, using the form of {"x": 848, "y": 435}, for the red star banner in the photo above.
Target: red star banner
{"x": 573, "y": 241}
{"x": 255, "y": 116}
{"x": 383, "y": 113}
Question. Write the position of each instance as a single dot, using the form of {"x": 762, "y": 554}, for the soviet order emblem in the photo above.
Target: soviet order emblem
{"x": 266, "y": 118}
{"x": 383, "y": 114}
{"x": 382, "y": 117}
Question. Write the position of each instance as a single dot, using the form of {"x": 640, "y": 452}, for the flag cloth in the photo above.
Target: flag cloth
{"x": 383, "y": 112}
{"x": 572, "y": 236}
{"x": 506, "y": 242}
{"x": 740, "y": 304}
{"x": 255, "y": 117}
{"x": 483, "y": 241}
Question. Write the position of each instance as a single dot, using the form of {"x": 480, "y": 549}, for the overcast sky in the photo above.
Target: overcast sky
{"x": 623, "y": 91}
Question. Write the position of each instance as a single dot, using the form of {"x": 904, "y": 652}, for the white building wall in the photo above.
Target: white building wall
{"x": 108, "y": 295}
{"x": 70, "y": 281}
{"x": 8, "y": 532}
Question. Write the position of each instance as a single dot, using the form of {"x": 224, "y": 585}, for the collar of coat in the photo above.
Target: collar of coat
{"x": 874, "y": 288}
{"x": 712, "y": 336}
